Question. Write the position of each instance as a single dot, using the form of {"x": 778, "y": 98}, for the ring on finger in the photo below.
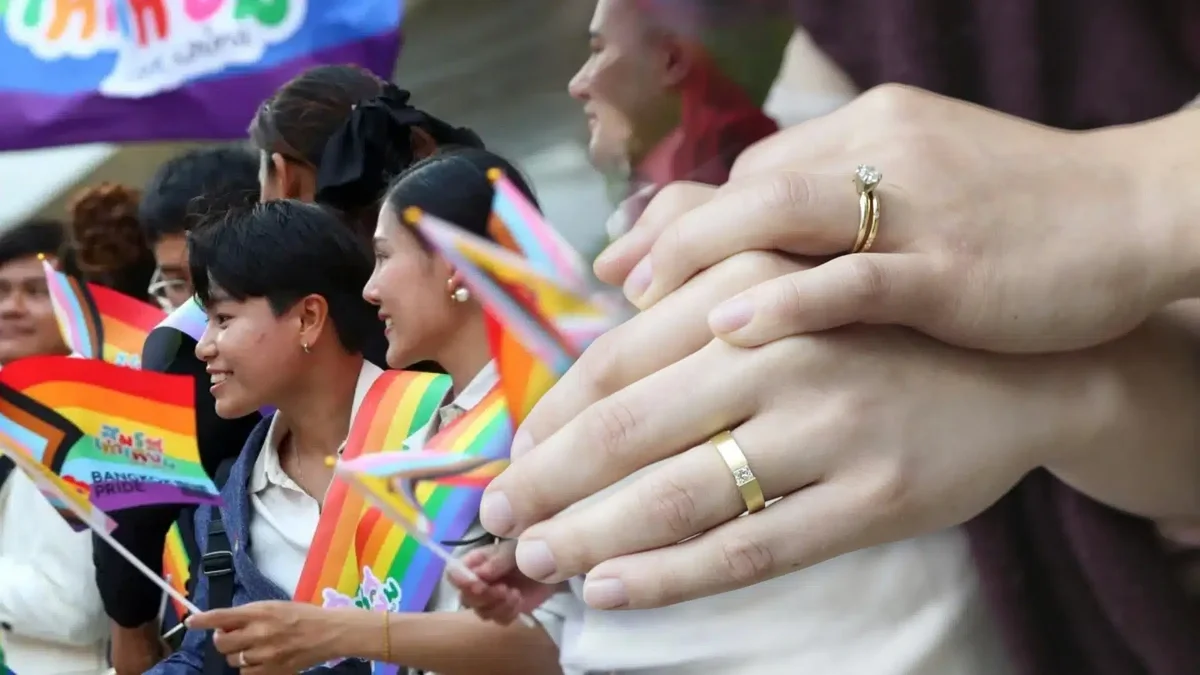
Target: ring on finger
{"x": 739, "y": 466}
{"x": 242, "y": 660}
{"x": 866, "y": 181}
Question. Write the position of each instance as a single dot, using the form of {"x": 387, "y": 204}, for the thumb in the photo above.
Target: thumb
{"x": 859, "y": 288}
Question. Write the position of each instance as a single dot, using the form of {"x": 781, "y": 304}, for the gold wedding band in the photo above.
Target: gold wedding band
{"x": 866, "y": 180}
{"x": 743, "y": 477}
{"x": 242, "y": 660}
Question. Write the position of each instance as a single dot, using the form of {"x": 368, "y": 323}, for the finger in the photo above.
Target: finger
{"x": 232, "y": 642}
{"x": 623, "y": 433}
{"x": 505, "y": 611}
{"x": 615, "y": 263}
{"x": 800, "y": 213}
{"x": 861, "y": 288}
{"x": 800, "y": 530}
{"x": 498, "y": 561}
{"x": 675, "y": 327}
{"x": 678, "y": 499}
{"x": 222, "y": 619}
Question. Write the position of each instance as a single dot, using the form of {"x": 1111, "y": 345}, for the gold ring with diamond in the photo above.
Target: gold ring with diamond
{"x": 743, "y": 477}
{"x": 866, "y": 180}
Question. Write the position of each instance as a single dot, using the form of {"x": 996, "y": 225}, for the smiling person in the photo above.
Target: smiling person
{"x": 673, "y": 90}
{"x": 51, "y": 619}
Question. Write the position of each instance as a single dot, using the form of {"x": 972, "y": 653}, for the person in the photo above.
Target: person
{"x": 106, "y": 240}
{"x": 674, "y": 90}
{"x": 285, "y": 279}
{"x": 927, "y": 436}
{"x": 185, "y": 189}
{"x": 338, "y": 134}
{"x": 50, "y": 614}
{"x": 182, "y": 190}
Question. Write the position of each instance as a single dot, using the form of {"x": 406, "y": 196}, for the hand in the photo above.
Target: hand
{"x": 995, "y": 233}
{"x": 501, "y": 593}
{"x": 868, "y": 435}
{"x": 274, "y": 637}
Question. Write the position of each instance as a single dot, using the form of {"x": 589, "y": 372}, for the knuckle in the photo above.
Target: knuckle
{"x": 673, "y": 505}
{"x": 745, "y": 561}
{"x": 896, "y": 103}
{"x": 868, "y": 280}
{"x": 599, "y": 368}
{"x": 612, "y": 425}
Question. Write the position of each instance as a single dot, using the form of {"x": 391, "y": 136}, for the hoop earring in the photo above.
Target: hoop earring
{"x": 305, "y": 348}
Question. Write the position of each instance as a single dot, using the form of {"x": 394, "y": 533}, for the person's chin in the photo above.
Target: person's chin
{"x": 397, "y": 356}
{"x": 233, "y": 407}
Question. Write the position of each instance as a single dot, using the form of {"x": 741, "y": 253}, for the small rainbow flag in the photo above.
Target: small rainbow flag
{"x": 98, "y": 322}
{"x": 353, "y": 539}
{"x": 545, "y": 248}
{"x": 177, "y": 566}
{"x": 475, "y": 449}
{"x": 29, "y": 430}
{"x": 523, "y": 377}
{"x": 140, "y": 427}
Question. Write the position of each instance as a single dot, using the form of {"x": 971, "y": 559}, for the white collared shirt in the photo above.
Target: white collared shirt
{"x": 283, "y": 517}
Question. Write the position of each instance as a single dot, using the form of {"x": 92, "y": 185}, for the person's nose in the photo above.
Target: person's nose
{"x": 579, "y": 84}
{"x": 370, "y": 292}
{"x": 206, "y": 346}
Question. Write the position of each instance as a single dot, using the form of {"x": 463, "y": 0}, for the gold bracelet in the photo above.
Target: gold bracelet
{"x": 387, "y": 637}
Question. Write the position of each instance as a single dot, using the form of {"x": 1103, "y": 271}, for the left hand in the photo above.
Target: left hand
{"x": 818, "y": 419}
{"x": 272, "y": 637}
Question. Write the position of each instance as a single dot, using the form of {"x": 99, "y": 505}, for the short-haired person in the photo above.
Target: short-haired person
{"x": 51, "y": 620}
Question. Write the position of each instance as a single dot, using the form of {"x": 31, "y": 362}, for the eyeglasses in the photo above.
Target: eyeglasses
{"x": 161, "y": 287}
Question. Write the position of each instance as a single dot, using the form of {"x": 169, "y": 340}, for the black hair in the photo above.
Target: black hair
{"x": 354, "y": 128}
{"x": 188, "y": 187}
{"x": 31, "y": 238}
{"x": 283, "y": 251}
{"x": 453, "y": 185}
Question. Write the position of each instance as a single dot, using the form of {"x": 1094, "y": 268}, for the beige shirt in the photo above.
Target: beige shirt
{"x": 52, "y": 620}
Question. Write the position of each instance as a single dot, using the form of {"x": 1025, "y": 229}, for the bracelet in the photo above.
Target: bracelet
{"x": 387, "y": 637}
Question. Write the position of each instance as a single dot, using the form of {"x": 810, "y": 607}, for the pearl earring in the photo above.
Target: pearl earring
{"x": 461, "y": 294}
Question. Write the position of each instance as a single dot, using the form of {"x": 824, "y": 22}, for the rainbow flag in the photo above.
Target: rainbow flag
{"x": 543, "y": 246}
{"x": 29, "y": 431}
{"x": 140, "y": 428}
{"x": 98, "y": 322}
{"x": 354, "y": 543}
{"x": 523, "y": 377}
{"x": 117, "y": 71}
{"x": 435, "y": 499}
{"x": 177, "y": 566}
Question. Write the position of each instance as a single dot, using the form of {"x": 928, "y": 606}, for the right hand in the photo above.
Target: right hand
{"x": 501, "y": 593}
{"x": 995, "y": 233}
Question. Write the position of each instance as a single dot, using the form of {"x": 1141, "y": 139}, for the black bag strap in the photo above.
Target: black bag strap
{"x": 6, "y": 469}
{"x": 217, "y": 566}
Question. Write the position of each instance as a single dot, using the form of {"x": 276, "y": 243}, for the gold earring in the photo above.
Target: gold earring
{"x": 305, "y": 348}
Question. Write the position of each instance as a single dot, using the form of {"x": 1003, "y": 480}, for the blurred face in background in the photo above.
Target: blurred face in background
{"x": 28, "y": 326}
{"x": 627, "y": 86}
{"x": 172, "y": 284}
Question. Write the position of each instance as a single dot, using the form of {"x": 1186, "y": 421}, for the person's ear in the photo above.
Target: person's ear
{"x": 677, "y": 60}
{"x": 423, "y": 143}
{"x": 295, "y": 180}
{"x": 313, "y": 314}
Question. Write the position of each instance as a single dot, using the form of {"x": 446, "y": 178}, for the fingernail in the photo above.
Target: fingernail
{"x": 605, "y": 593}
{"x": 639, "y": 279}
{"x": 608, "y": 255}
{"x": 495, "y": 513}
{"x": 522, "y": 443}
{"x": 730, "y": 315}
{"x": 535, "y": 559}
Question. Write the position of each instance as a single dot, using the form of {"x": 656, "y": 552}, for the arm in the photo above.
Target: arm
{"x": 450, "y": 643}
{"x": 50, "y": 596}
{"x": 1140, "y": 409}
{"x": 189, "y": 660}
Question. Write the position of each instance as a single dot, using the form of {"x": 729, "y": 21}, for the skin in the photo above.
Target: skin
{"x": 28, "y": 326}
{"x": 413, "y": 289}
{"x": 628, "y": 84}
{"x": 170, "y": 254}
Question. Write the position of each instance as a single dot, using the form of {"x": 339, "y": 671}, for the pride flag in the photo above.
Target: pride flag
{"x": 177, "y": 565}
{"x": 98, "y": 322}
{"x": 354, "y": 542}
{"x": 543, "y": 246}
{"x": 30, "y": 431}
{"x": 81, "y": 71}
{"x": 140, "y": 427}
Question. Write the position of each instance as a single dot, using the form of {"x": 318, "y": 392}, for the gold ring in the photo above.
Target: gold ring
{"x": 242, "y": 660}
{"x": 743, "y": 477}
{"x": 866, "y": 181}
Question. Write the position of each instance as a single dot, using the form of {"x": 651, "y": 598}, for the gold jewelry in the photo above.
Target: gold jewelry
{"x": 387, "y": 637}
{"x": 866, "y": 181}
{"x": 743, "y": 477}
{"x": 458, "y": 293}
{"x": 304, "y": 346}
{"x": 242, "y": 660}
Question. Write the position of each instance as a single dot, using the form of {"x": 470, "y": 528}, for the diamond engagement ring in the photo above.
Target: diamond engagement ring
{"x": 743, "y": 477}
{"x": 866, "y": 180}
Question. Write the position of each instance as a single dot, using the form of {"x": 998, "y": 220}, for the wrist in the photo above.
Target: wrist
{"x": 362, "y": 634}
{"x": 1158, "y": 163}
